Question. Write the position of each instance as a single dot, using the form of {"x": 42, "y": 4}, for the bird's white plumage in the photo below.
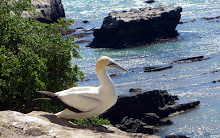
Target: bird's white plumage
{"x": 82, "y": 98}
{"x": 91, "y": 100}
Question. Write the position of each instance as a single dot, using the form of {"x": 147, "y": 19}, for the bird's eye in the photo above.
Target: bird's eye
{"x": 111, "y": 64}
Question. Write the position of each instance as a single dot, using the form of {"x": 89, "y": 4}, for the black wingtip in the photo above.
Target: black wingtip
{"x": 47, "y": 93}
{"x": 53, "y": 96}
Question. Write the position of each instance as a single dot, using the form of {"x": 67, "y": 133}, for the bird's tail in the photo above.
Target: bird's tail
{"x": 48, "y": 94}
{"x": 53, "y": 96}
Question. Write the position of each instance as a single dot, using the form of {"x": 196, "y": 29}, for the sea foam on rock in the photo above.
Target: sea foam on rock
{"x": 136, "y": 27}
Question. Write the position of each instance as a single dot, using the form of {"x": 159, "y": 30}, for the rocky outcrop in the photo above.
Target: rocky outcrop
{"x": 143, "y": 112}
{"x": 46, "y": 125}
{"x": 49, "y": 10}
{"x": 136, "y": 27}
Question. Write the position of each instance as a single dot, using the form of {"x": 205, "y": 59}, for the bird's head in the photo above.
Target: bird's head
{"x": 106, "y": 62}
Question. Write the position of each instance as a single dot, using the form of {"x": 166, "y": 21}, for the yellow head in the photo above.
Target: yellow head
{"x": 105, "y": 62}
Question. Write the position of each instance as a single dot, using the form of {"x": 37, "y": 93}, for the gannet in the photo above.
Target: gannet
{"x": 87, "y": 101}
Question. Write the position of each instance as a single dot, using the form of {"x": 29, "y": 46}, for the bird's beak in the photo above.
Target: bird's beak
{"x": 114, "y": 65}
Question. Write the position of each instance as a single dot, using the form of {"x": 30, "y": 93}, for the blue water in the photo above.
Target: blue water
{"x": 187, "y": 80}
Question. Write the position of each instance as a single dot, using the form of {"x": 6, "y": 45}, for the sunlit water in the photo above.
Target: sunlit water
{"x": 190, "y": 81}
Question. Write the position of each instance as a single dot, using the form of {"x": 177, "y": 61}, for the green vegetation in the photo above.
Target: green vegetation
{"x": 33, "y": 56}
{"x": 96, "y": 120}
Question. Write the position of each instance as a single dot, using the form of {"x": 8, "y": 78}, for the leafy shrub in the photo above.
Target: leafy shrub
{"x": 96, "y": 120}
{"x": 33, "y": 56}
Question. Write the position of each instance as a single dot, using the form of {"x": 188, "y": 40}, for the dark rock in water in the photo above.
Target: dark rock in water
{"x": 82, "y": 41}
{"x": 212, "y": 72}
{"x": 49, "y": 11}
{"x": 193, "y": 20}
{"x": 215, "y": 81}
{"x": 79, "y": 27}
{"x": 114, "y": 75}
{"x": 149, "y": 1}
{"x": 85, "y": 21}
{"x": 211, "y": 18}
{"x": 135, "y": 90}
{"x": 167, "y": 110}
{"x": 68, "y": 31}
{"x": 143, "y": 109}
{"x": 176, "y": 136}
{"x": 137, "y": 27}
{"x": 154, "y": 69}
{"x": 189, "y": 60}
{"x": 81, "y": 35}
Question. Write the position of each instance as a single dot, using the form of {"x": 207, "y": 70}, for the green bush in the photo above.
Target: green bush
{"x": 33, "y": 56}
{"x": 96, "y": 120}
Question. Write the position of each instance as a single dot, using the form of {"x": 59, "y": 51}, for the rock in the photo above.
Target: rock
{"x": 154, "y": 69}
{"x": 135, "y": 90}
{"x": 136, "y": 27}
{"x": 189, "y": 60}
{"x": 85, "y": 21}
{"x": 47, "y": 125}
{"x": 34, "y": 131}
{"x": 215, "y": 81}
{"x": 68, "y": 31}
{"x": 114, "y": 75}
{"x": 81, "y": 35}
{"x": 148, "y": 107}
{"x": 83, "y": 41}
{"x": 135, "y": 126}
{"x": 176, "y": 136}
{"x": 49, "y": 11}
{"x": 153, "y": 119}
{"x": 150, "y": 1}
{"x": 212, "y": 72}
{"x": 193, "y": 20}
{"x": 210, "y": 18}
{"x": 170, "y": 109}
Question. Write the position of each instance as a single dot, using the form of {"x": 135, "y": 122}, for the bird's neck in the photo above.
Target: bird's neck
{"x": 104, "y": 79}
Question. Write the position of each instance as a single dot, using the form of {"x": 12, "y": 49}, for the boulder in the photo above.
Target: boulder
{"x": 136, "y": 27}
{"x": 145, "y": 111}
{"x": 49, "y": 11}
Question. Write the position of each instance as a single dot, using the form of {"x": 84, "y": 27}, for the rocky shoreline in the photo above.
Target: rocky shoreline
{"x": 143, "y": 112}
{"x": 134, "y": 115}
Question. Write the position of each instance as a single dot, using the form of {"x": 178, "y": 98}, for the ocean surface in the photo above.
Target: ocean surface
{"x": 190, "y": 81}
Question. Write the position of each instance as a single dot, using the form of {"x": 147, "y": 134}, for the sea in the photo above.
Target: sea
{"x": 189, "y": 81}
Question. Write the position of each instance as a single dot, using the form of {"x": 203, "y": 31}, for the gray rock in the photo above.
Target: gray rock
{"x": 136, "y": 27}
{"x": 49, "y": 11}
{"x": 34, "y": 131}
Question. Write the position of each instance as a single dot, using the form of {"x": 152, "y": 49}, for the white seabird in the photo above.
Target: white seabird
{"x": 87, "y": 101}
